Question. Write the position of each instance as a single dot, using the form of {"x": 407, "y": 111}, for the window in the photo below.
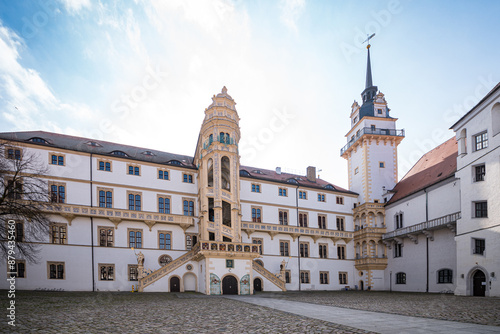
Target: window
{"x": 164, "y": 240}
{"x": 323, "y": 277}
{"x": 342, "y": 277}
{"x": 480, "y": 209}
{"x": 18, "y": 269}
{"x": 398, "y": 218}
{"x": 56, "y": 159}
{"x": 356, "y": 170}
{"x": 340, "y": 200}
{"x": 341, "y": 252}
{"x": 105, "y": 198}
{"x": 321, "y": 197}
{"x": 381, "y": 164}
{"x": 106, "y": 272}
{"x": 398, "y": 250}
{"x": 282, "y": 192}
{"x": 13, "y": 153}
{"x": 191, "y": 240}
{"x": 18, "y": 231}
{"x": 283, "y": 217}
{"x": 134, "y": 238}
{"x": 322, "y": 221}
{"x": 303, "y": 219}
{"x": 256, "y": 215}
{"x": 106, "y": 238}
{"x": 479, "y": 246}
{"x": 164, "y": 260}
{"x": 372, "y": 127}
{"x": 323, "y": 251}
{"x": 119, "y": 153}
{"x": 445, "y": 276}
{"x": 288, "y": 276}
{"x": 479, "y": 173}
{"x": 379, "y": 111}
{"x": 260, "y": 242}
{"x": 134, "y": 201}
{"x": 284, "y": 248}
{"x": 480, "y": 141}
{"x": 105, "y": 165}
{"x": 304, "y": 276}
{"x": 163, "y": 204}
{"x": 163, "y": 174}
{"x": 14, "y": 189}
{"x": 400, "y": 278}
{"x": 57, "y": 192}
{"x": 304, "y": 249}
{"x": 55, "y": 270}
{"x": 134, "y": 170}
{"x": 58, "y": 233}
{"x": 133, "y": 272}
{"x": 187, "y": 178}
{"x": 255, "y": 188}
{"x": 340, "y": 224}
{"x": 224, "y": 138}
{"x": 188, "y": 207}
{"x": 302, "y": 194}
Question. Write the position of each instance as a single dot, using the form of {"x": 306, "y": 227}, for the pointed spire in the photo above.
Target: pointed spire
{"x": 369, "y": 82}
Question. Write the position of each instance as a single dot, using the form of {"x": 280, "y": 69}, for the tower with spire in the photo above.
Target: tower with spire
{"x": 371, "y": 154}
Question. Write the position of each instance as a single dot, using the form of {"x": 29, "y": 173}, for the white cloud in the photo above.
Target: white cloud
{"x": 74, "y": 6}
{"x": 291, "y": 10}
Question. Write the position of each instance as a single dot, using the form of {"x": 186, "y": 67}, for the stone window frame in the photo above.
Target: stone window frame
{"x": 112, "y": 228}
{"x": 322, "y": 197}
{"x": 129, "y": 267}
{"x": 15, "y": 188}
{"x": 325, "y": 246}
{"x": 105, "y": 161}
{"x": 304, "y": 194}
{"x": 289, "y": 276}
{"x": 283, "y": 212}
{"x": 324, "y": 273}
{"x": 306, "y": 223}
{"x": 381, "y": 164}
{"x": 340, "y": 220}
{"x": 256, "y": 186}
{"x": 135, "y": 237}
{"x": 158, "y": 196}
{"x": 58, "y": 199}
{"x": 65, "y": 225}
{"x": 58, "y": 155}
{"x": 340, "y": 200}
{"x": 15, "y": 229}
{"x": 257, "y": 220}
{"x": 284, "y": 241}
{"x": 107, "y": 265}
{"x": 163, "y": 169}
{"x": 189, "y": 199}
{"x": 56, "y": 263}
{"x": 165, "y": 232}
{"x": 305, "y": 277}
{"x": 324, "y": 224}
{"x": 16, "y": 272}
{"x": 187, "y": 177}
{"x": 282, "y": 191}
{"x": 135, "y": 193}
{"x": 98, "y": 190}
{"x": 341, "y": 255}
{"x": 186, "y": 240}
{"x": 306, "y": 249}
{"x": 14, "y": 148}
{"x": 343, "y": 278}
{"x": 133, "y": 165}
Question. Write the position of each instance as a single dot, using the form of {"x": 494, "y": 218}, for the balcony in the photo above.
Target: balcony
{"x": 370, "y": 131}
{"x": 373, "y": 232}
{"x": 365, "y": 263}
{"x": 438, "y": 223}
{"x": 229, "y": 249}
{"x": 224, "y": 140}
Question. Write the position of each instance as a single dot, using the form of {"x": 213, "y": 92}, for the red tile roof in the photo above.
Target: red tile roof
{"x": 433, "y": 167}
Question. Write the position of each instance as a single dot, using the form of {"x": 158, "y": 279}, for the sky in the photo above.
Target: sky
{"x": 142, "y": 72}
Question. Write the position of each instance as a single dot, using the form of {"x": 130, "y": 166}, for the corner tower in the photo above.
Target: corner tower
{"x": 218, "y": 177}
{"x": 371, "y": 154}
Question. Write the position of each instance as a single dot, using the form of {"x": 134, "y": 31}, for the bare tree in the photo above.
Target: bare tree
{"x": 24, "y": 196}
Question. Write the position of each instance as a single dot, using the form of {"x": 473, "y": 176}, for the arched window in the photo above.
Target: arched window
{"x": 222, "y": 137}
{"x": 225, "y": 173}
{"x": 398, "y": 220}
{"x": 445, "y": 276}
{"x": 164, "y": 259}
{"x": 210, "y": 139}
{"x": 400, "y": 278}
{"x": 462, "y": 142}
{"x": 210, "y": 177}
{"x": 119, "y": 153}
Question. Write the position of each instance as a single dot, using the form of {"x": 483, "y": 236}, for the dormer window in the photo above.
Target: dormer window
{"x": 291, "y": 180}
{"x": 148, "y": 153}
{"x": 93, "y": 144}
{"x": 175, "y": 162}
{"x": 120, "y": 153}
{"x": 379, "y": 111}
{"x": 244, "y": 173}
{"x": 38, "y": 140}
{"x": 329, "y": 187}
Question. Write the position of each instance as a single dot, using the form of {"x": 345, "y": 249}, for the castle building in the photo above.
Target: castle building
{"x": 125, "y": 217}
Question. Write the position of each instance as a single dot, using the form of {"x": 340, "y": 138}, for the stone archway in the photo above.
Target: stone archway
{"x": 229, "y": 285}
{"x": 257, "y": 284}
{"x": 479, "y": 283}
{"x": 175, "y": 284}
{"x": 189, "y": 282}
{"x": 361, "y": 285}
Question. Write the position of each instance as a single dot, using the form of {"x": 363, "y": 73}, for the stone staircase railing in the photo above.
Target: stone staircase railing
{"x": 166, "y": 269}
{"x": 269, "y": 275}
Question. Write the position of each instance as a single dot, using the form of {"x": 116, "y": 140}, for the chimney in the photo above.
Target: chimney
{"x": 311, "y": 173}
{"x": 278, "y": 170}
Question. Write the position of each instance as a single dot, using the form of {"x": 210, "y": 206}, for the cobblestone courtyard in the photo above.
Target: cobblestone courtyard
{"x": 124, "y": 312}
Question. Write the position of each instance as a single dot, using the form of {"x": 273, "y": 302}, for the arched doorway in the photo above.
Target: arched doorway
{"x": 257, "y": 284}
{"x": 189, "y": 282}
{"x": 479, "y": 283}
{"x": 361, "y": 285}
{"x": 175, "y": 284}
{"x": 229, "y": 285}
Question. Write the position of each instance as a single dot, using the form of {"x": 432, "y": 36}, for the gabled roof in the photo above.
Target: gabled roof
{"x": 433, "y": 167}
{"x": 100, "y": 147}
{"x": 290, "y": 179}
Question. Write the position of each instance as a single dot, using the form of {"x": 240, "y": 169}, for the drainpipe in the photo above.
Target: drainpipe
{"x": 92, "y": 226}
{"x": 427, "y": 241}
{"x": 298, "y": 238}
